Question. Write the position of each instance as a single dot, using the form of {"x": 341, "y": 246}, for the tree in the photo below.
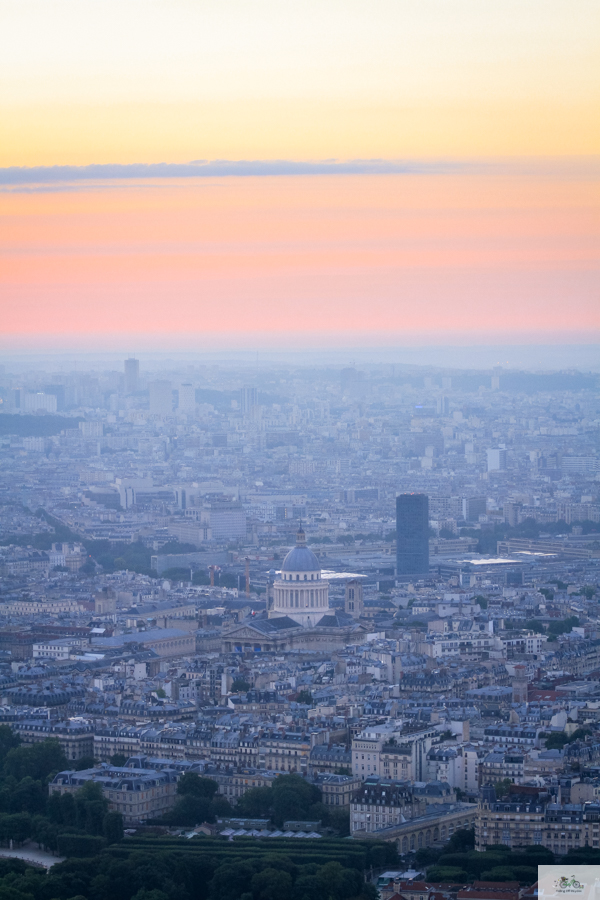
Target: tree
{"x": 502, "y": 787}
{"x": 580, "y": 734}
{"x": 91, "y": 808}
{"x": 563, "y": 626}
{"x": 427, "y": 856}
{"x": 16, "y": 827}
{"x": 86, "y": 762}
{"x": 240, "y": 685}
{"x": 536, "y": 855}
{"x": 255, "y": 803}
{"x": 112, "y": 827}
{"x": 338, "y": 882}
{"x": 154, "y": 894}
{"x": 38, "y": 761}
{"x": 337, "y": 818}
{"x": 304, "y": 696}
{"x": 447, "y": 873}
{"x": 28, "y": 796}
{"x": 292, "y": 798}
{"x": 80, "y": 845}
{"x": 271, "y": 884}
{"x": 118, "y": 760}
{"x": 230, "y": 881}
{"x": 556, "y": 740}
{"x": 8, "y": 741}
{"x": 191, "y": 783}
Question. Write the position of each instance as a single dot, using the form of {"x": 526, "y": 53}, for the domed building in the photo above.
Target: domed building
{"x": 299, "y": 592}
{"x": 298, "y": 616}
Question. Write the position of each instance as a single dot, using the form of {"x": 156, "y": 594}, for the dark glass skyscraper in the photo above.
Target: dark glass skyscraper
{"x": 412, "y": 529}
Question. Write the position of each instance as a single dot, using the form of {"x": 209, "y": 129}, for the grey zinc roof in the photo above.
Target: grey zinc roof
{"x": 301, "y": 559}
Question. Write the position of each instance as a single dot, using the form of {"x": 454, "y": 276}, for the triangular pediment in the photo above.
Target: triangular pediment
{"x": 243, "y": 631}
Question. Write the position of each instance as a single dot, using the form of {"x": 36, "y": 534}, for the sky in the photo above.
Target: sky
{"x": 263, "y": 172}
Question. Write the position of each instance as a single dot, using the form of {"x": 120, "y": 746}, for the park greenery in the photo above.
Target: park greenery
{"x": 71, "y": 823}
{"x": 457, "y": 862}
{"x": 291, "y": 798}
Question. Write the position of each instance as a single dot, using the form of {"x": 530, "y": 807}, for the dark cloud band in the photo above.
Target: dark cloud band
{"x": 55, "y": 175}
{"x": 203, "y": 168}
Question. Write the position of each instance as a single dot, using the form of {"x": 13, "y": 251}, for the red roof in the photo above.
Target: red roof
{"x": 538, "y": 694}
{"x": 496, "y": 885}
{"x": 485, "y": 894}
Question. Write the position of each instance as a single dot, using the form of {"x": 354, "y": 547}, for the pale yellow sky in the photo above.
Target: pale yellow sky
{"x": 98, "y": 81}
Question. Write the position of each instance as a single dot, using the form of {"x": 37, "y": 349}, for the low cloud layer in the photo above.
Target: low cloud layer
{"x": 17, "y": 175}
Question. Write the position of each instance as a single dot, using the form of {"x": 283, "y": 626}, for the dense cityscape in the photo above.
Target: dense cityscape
{"x": 256, "y": 603}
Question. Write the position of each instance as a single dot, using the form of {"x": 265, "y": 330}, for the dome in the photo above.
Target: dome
{"x": 300, "y": 558}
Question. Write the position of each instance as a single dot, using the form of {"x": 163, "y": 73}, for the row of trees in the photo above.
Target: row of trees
{"x": 290, "y": 797}
{"x": 175, "y": 875}
{"x": 459, "y": 863}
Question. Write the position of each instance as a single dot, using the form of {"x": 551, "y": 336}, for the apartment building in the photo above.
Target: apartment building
{"x": 138, "y": 794}
{"x": 501, "y": 764}
{"x": 377, "y": 804}
{"x": 285, "y": 751}
{"x": 337, "y": 790}
{"x": 389, "y": 752}
{"x": 75, "y": 736}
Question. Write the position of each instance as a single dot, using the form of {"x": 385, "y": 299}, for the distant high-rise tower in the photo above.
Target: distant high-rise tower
{"x": 132, "y": 374}
{"x": 473, "y": 507}
{"x": 412, "y": 534}
{"x": 187, "y": 398}
{"x": 520, "y": 686}
{"x": 354, "y": 598}
{"x": 248, "y": 400}
{"x": 496, "y": 459}
{"x": 161, "y": 398}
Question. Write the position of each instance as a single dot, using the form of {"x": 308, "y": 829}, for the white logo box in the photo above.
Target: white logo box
{"x": 564, "y": 882}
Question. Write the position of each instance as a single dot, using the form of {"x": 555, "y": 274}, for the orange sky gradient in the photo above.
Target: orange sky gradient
{"x": 345, "y": 257}
{"x": 493, "y": 252}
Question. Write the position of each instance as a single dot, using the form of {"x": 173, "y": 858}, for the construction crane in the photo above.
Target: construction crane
{"x": 247, "y": 560}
